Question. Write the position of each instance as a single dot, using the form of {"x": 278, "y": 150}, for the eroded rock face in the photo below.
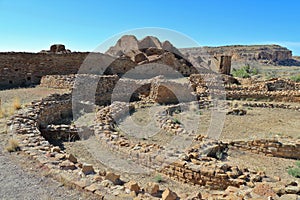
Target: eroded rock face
{"x": 151, "y": 52}
{"x": 124, "y": 45}
{"x": 150, "y": 41}
{"x": 265, "y": 53}
{"x": 129, "y": 43}
{"x": 56, "y": 48}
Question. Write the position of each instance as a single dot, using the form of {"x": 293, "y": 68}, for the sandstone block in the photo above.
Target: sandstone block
{"x": 169, "y": 195}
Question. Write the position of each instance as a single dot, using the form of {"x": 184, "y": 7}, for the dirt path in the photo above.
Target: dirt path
{"x": 22, "y": 178}
{"x": 18, "y": 183}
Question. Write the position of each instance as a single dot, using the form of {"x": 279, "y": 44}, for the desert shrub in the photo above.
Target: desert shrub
{"x": 244, "y": 72}
{"x": 295, "y": 171}
{"x": 298, "y": 163}
{"x": 176, "y": 121}
{"x": 158, "y": 178}
{"x": 198, "y": 112}
{"x": 295, "y": 78}
{"x": 13, "y": 145}
{"x": 271, "y": 74}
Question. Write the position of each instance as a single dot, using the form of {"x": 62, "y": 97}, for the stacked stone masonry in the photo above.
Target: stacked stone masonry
{"x": 271, "y": 147}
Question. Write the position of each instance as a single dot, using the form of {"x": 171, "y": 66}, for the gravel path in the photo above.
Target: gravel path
{"x": 21, "y": 178}
{"x": 17, "y": 182}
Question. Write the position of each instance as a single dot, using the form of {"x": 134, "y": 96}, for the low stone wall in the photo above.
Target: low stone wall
{"x": 271, "y": 105}
{"x": 198, "y": 165}
{"x": 288, "y": 96}
{"x": 58, "y": 81}
{"x": 271, "y": 147}
{"x": 42, "y": 117}
{"x": 61, "y": 132}
{"x": 111, "y": 88}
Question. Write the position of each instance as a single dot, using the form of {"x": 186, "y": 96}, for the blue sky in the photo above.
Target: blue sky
{"x": 33, "y": 25}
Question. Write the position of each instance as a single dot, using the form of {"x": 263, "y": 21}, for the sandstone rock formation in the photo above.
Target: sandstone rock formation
{"x": 263, "y": 53}
{"x": 57, "y": 49}
{"x": 129, "y": 43}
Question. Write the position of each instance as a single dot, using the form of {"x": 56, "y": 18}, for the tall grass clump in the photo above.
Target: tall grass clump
{"x": 16, "y": 104}
{"x": 13, "y": 145}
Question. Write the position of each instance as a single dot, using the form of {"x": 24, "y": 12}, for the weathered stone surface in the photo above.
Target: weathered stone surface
{"x": 87, "y": 169}
{"x": 195, "y": 196}
{"x": 152, "y": 188}
{"x": 66, "y": 165}
{"x": 72, "y": 158}
{"x": 290, "y": 197}
{"x": 264, "y": 190}
{"x": 133, "y": 186}
{"x": 115, "y": 178}
{"x": 292, "y": 189}
{"x": 169, "y": 195}
{"x": 106, "y": 183}
{"x": 93, "y": 187}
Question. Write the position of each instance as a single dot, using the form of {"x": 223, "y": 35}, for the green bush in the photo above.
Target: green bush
{"x": 298, "y": 163}
{"x": 244, "y": 72}
{"x": 295, "y": 171}
{"x": 158, "y": 178}
{"x": 296, "y": 78}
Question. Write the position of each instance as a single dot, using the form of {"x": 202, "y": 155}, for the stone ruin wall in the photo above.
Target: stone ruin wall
{"x": 46, "y": 120}
{"x": 271, "y": 147}
{"x": 110, "y": 87}
{"x": 277, "y": 89}
{"x": 25, "y": 69}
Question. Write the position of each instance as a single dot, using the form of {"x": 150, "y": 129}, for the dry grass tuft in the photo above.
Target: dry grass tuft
{"x": 13, "y": 145}
{"x": 6, "y": 112}
{"x": 17, "y": 104}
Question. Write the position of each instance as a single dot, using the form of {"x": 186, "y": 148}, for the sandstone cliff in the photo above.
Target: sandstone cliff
{"x": 262, "y": 53}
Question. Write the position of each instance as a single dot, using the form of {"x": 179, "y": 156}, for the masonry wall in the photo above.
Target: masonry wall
{"x": 271, "y": 147}
{"x": 24, "y": 69}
